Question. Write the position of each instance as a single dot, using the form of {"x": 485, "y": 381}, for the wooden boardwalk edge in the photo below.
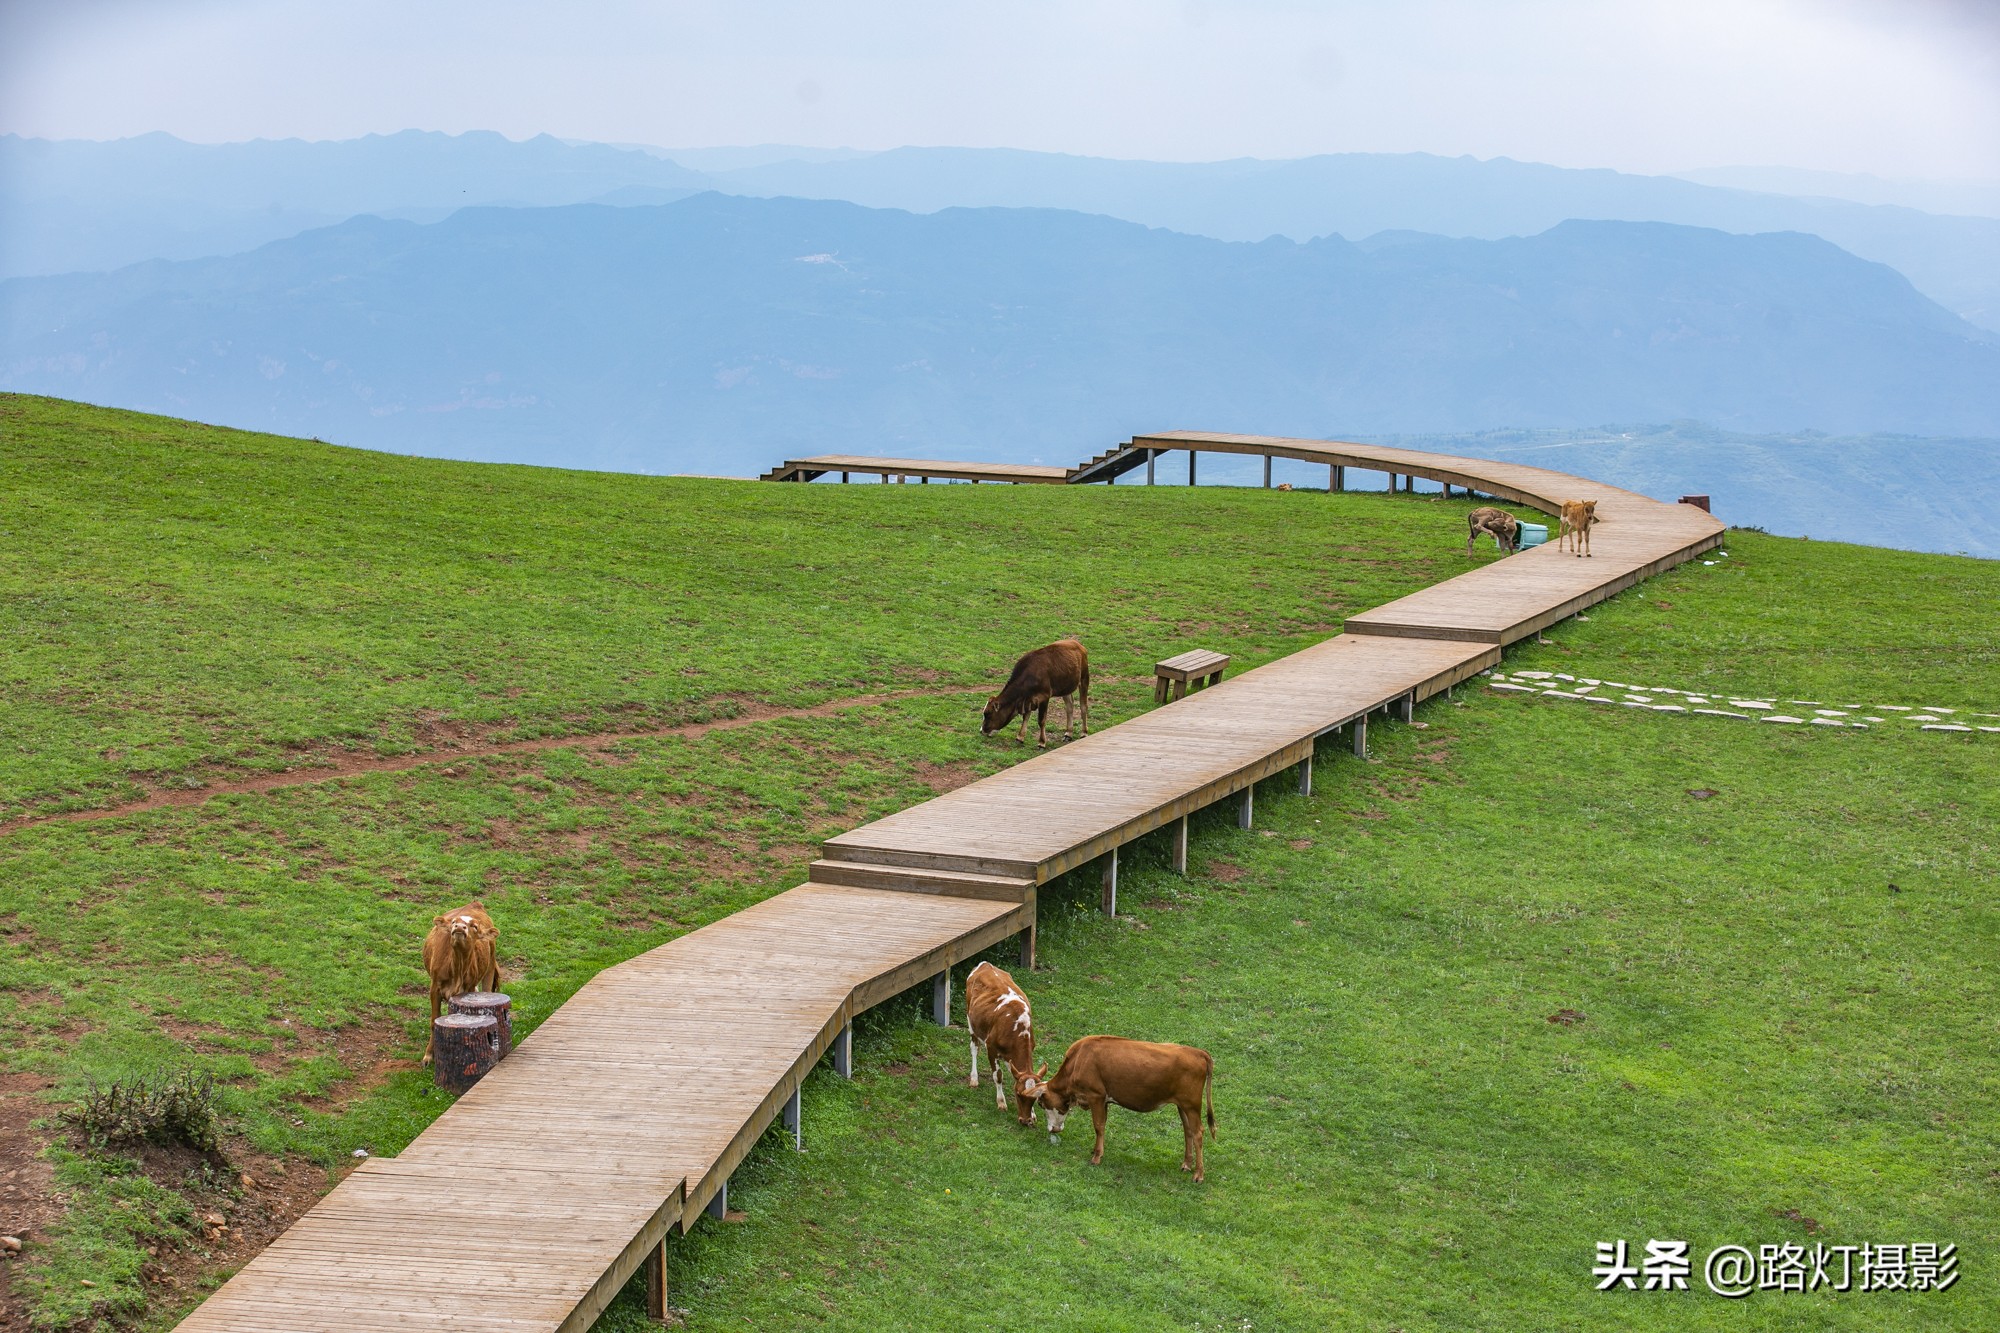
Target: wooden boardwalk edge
{"x": 620, "y": 1119}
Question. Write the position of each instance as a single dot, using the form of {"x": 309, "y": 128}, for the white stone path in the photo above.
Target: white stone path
{"x": 1746, "y": 708}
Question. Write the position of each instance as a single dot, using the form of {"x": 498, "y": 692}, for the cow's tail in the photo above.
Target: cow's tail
{"x": 1208, "y": 1092}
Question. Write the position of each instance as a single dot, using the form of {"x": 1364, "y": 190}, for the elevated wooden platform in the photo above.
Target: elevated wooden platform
{"x": 901, "y": 469}
{"x": 620, "y": 1118}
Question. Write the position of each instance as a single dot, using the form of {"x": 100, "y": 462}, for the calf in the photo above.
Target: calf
{"x": 997, "y": 1013}
{"x": 1060, "y": 670}
{"x": 1496, "y": 523}
{"x": 1578, "y": 516}
{"x": 1140, "y": 1076}
{"x": 458, "y": 953}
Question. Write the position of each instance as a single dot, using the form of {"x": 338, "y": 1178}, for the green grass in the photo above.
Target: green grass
{"x": 1405, "y": 1141}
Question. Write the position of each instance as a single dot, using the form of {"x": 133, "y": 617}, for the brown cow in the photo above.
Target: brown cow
{"x": 1502, "y": 526}
{"x": 1058, "y": 671}
{"x": 997, "y": 1013}
{"x": 1140, "y": 1076}
{"x": 1578, "y": 517}
{"x": 458, "y": 953}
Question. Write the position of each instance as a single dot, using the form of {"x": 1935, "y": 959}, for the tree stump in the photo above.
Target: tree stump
{"x": 467, "y": 1045}
{"x": 494, "y": 1003}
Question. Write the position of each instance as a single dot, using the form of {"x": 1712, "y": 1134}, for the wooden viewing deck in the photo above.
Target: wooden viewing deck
{"x": 529, "y": 1203}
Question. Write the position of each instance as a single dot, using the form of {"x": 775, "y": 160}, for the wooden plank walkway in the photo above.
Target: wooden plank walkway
{"x": 531, "y": 1201}
{"x": 806, "y": 469}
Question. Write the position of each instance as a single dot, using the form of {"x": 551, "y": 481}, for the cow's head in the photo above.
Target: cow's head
{"x": 463, "y": 927}
{"x": 1027, "y": 1090}
{"x": 997, "y": 716}
{"x": 1056, "y": 1105}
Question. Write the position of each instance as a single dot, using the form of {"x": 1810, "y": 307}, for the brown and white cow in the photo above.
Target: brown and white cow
{"x": 997, "y": 1013}
{"x": 1058, "y": 671}
{"x": 1578, "y": 517}
{"x": 1139, "y": 1076}
{"x": 459, "y": 955}
{"x": 1500, "y": 525}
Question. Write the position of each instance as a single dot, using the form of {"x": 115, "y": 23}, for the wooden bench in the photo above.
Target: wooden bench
{"x": 1197, "y": 664}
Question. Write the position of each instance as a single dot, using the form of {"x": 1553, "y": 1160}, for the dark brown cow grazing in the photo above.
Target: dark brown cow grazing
{"x": 1140, "y": 1076}
{"x": 1502, "y": 526}
{"x": 458, "y": 953}
{"x": 997, "y": 1013}
{"x": 1056, "y": 672}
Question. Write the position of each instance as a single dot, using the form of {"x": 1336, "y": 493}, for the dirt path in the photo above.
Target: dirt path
{"x": 331, "y": 768}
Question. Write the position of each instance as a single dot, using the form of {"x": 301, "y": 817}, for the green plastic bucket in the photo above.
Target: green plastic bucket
{"x": 1532, "y": 534}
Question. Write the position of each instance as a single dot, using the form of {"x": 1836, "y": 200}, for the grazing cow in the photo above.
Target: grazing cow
{"x": 1056, "y": 672}
{"x": 1284, "y": 485}
{"x": 458, "y": 953}
{"x": 1140, "y": 1076}
{"x": 997, "y": 1013}
{"x": 1578, "y": 517}
{"x": 1496, "y": 523}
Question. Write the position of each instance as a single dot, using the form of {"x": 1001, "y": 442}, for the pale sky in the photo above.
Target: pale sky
{"x": 1905, "y": 89}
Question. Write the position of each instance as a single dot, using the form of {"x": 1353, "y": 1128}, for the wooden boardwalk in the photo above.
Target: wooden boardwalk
{"x": 531, "y": 1201}
{"x": 923, "y": 469}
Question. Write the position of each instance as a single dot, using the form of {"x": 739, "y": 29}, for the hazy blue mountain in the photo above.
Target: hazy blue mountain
{"x": 1954, "y": 260}
{"x": 87, "y": 206}
{"x": 74, "y": 205}
{"x": 718, "y": 334}
{"x": 1966, "y": 198}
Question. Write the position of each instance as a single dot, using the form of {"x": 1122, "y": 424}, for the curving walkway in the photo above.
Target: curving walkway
{"x": 529, "y": 1202}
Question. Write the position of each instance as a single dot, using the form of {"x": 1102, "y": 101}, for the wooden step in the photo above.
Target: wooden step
{"x": 913, "y": 879}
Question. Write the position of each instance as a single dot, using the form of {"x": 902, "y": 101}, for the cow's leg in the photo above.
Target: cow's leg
{"x": 1098, "y": 1112}
{"x": 1069, "y": 717}
{"x": 974, "y": 1080}
{"x": 1191, "y": 1134}
{"x": 1042, "y": 726}
{"x": 1022, "y": 734}
{"x": 999, "y": 1091}
{"x": 430, "y": 1038}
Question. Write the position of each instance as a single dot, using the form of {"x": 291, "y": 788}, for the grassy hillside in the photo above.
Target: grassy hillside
{"x": 1405, "y": 1140}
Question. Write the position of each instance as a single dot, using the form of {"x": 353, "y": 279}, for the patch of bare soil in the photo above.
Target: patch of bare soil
{"x": 461, "y": 741}
{"x": 27, "y": 1183}
{"x": 1226, "y": 871}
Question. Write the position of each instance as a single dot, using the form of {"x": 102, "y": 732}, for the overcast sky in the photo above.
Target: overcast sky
{"x": 1899, "y": 88}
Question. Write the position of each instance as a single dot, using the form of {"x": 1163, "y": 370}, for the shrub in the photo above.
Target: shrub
{"x": 168, "y": 1110}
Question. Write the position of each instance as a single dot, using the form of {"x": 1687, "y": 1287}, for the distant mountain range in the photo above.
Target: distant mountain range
{"x": 720, "y": 333}
{"x": 72, "y": 205}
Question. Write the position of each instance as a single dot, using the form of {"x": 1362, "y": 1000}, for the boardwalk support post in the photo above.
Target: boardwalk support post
{"x": 1191, "y": 457}
{"x": 656, "y": 1283}
{"x": 941, "y": 999}
{"x": 1267, "y": 472}
{"x": 1108, "y": 893}
{"x": 1361, "y": 737}
{"x": 1027, "y": 948}
{"x": 718, "y": 1207}
{"x": 1306, "y": 776}
{"x": 1243, "y": 806}
{"x": 1336, "y": 477}
{"x": 1151, "y": 454}
{"x": 795, "y": 1119}
{"x": 1408, "y": 706}
{"x": 843, "y": 1052}
{"x": 1180, "y": 845}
